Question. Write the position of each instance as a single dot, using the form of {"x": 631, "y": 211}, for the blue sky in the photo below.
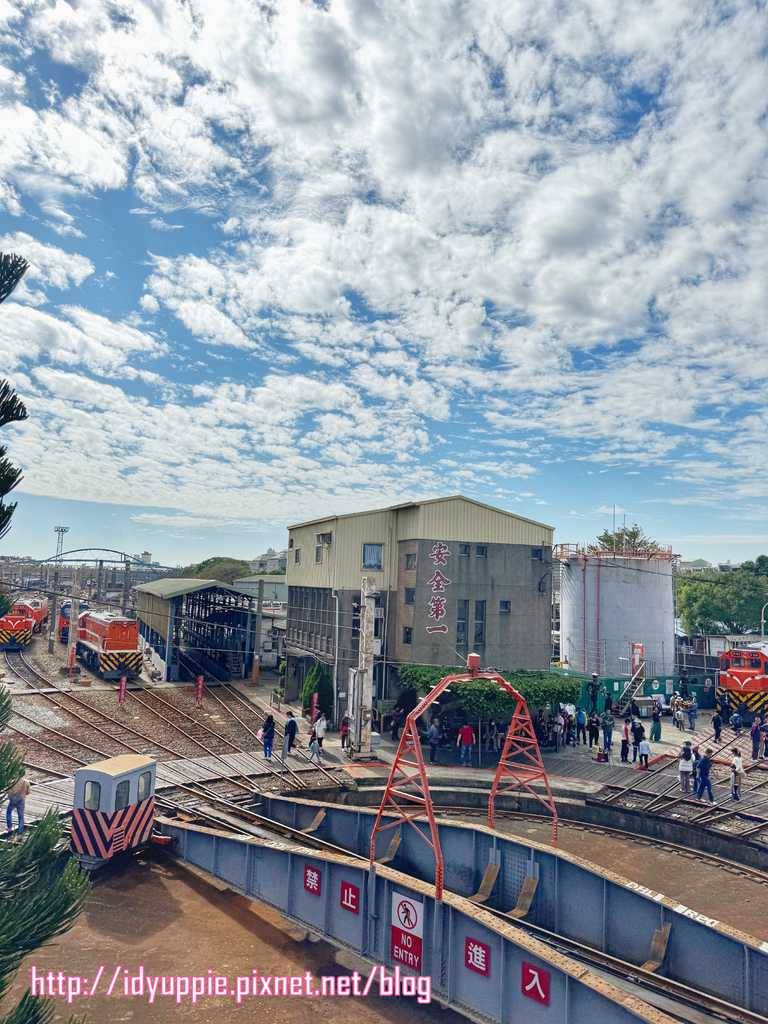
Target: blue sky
{"x": 313, "y": 258}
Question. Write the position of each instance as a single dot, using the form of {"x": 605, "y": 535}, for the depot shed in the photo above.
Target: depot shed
{"x": 189, "y": 627}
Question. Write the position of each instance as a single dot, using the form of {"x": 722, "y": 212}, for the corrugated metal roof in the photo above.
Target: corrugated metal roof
{"x": 167, "y": 589}
{"x": 415, "y": 504}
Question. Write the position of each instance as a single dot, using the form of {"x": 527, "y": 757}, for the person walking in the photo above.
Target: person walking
{"x": 736, "y": 723}
{"x": 655, "y": 724}
{"x": 645, "y": 750}
{"x": 490, "y": 736}
{"x": 268, "y": 736}
{"x": 557, "y": 729}
{"x": 314, "y": 749}
{"x": 344, "y": 731}
{"x": 755, "y": 735}
{"x": 17, "y": 797}
{"x": 433, "y": 738}
{"x": 737, "y": 773}
{"x": 607, "y": 721}
{"x": 717, "y": 725}
{"x": 625, "y": 735}
{"x": 704, "y": 767}
{"x": 637, "y": 734}
{"x": 465, "y": 739}
{"x": 693, "y": 711}
{"x": 396, "y": 714}
{"x": 581, "y": 726}
{"x": 594, "y": 729}
{"x": 289, "y": 734}
{"x": 686, "y": 768}
{"x": 321, "y": 727}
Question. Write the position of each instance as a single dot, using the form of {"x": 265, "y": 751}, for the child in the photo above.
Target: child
{"x": 737, "y": 773}
{"x": 645, "y": 749}
{"x": 679, "y": 717}
{"x": 314, "y": 749}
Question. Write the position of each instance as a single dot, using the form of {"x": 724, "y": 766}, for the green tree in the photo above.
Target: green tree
{"x": 221, "y": 568}
{"x": 721, "y": 602}
{"x": 538, "y": 688}
{"x": 317, "y": 680}
{"x": 12, "y": 410}
{"x": 38, "y": 898}
{"x": 625, "y": 538}
{"x": 5, "y": 604}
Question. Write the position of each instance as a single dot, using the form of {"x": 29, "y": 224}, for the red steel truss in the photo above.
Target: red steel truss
{"x": 407, "y": 793}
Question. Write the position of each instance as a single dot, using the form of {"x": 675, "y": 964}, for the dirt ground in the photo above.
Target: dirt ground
{"x": 160, "y": 915}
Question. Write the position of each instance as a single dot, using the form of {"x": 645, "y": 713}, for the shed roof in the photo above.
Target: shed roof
{"x": 169, "y": 588}
{"x": 414, "y": 504}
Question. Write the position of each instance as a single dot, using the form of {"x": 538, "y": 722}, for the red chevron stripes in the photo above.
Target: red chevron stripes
{"x": 102, "y": 835}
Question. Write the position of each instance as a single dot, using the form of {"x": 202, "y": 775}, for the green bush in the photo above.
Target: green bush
{"x": 538, "y": 688}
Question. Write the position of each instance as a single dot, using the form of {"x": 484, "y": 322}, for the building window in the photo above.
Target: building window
{"x": 410, "y": 595}
{"x": 479, "y": 622}
{"x": 407, "y": 634}
{"x": 290, "y": 543}
{"x": 537, "y": 553}
{"x": 372, "y": 556}
{"x": 505, "y": 606}
{"x": 462, "y": 615}
{"x": 319, "y": 554}
{"x": 324, "y": 538}
{"x": 481, "y": 551}
{"x": 464, "y": 549}
{"x": 297, "y": 556}
{"x": 410, "y": 561}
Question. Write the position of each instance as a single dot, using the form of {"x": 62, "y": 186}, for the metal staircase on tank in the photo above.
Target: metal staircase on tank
{"x": 630, "y": 691}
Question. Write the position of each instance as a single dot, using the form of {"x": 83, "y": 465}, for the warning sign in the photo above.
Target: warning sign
{"x": 407, "y": 930}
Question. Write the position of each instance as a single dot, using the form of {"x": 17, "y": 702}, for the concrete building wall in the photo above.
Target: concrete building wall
{"x": 609, "y": 603}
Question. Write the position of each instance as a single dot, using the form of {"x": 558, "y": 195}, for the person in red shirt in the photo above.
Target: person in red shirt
{"x": 465, "y": 739}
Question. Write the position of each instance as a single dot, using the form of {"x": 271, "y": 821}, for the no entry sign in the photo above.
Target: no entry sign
{"x": 407, "y": 930}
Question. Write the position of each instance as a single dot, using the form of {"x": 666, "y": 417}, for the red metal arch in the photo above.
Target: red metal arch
{"x": 520, "y": 763}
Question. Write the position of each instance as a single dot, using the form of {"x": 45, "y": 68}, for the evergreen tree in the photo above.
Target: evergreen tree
{"x": 39, "y": 898}
{"x": 625, "y": 538}
{"x": 318, "y": 681}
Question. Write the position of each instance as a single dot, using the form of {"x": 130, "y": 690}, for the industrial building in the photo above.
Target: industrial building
{"x": 611, "y": 600}
{"x": 191, "y": 627}
{"x": 454, "y": 575}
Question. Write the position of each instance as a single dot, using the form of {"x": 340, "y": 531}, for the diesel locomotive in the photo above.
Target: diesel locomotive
{"x": 64, "y": 615}
{"x": 743, "y": 681}
{"x": 25, "y": 618}
{"x": 109, "y": 644}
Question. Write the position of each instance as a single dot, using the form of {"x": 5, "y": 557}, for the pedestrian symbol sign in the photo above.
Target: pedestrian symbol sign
{"x": 407, "y": 930}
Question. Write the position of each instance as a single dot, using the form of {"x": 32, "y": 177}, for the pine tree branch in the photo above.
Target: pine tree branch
{"x": 12, "y": 269}
{"x": 12, "y": 409}
{"x": 31, "y": 1010}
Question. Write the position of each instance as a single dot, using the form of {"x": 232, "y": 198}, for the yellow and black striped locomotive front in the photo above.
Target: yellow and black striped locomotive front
{"x": 110, "y": 664}
{"x": 15, "y": 639}
{"x": 743, "y": 681}
{"x": 101, "y": 835}
{"x": 747, "y": 704}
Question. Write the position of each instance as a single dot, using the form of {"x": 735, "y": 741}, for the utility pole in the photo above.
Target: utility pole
{"x": 74, "y": 614}
{"x": 368, "y": 594}
{"x": 54, "y": 624}
{"x": 100, "y": 582}
{"x": 257, "y": 643}
{"x": 126, "y": 586}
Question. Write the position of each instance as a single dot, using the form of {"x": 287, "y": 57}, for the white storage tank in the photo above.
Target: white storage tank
{"x": 610, "y": 601}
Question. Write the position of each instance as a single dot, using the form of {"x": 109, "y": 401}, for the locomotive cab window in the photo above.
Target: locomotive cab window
{"x": 738, "y": 662}
{"x": 92, "y": 796}
{"x": 725, "y": 663}
{"x": 145, "y": 781}
{"x": 754, "y": 663}
{"x": 121, "y": 794}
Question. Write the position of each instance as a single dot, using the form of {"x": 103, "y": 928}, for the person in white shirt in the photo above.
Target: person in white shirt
{"x": 557, "y": 729}
{"x": 686, "y": 768}
{"x": 737, "y": 773}
{"x": 321, "y": 725}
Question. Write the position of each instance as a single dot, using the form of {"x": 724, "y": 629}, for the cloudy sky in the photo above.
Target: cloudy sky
{"x": 298, "y": 258}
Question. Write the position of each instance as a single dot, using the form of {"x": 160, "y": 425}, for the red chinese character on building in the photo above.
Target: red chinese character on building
{"x": 437, "y": 608}
{"x": 477, "y": 956}
{"x": 439, "y": 582}
{"x": 312, "y": 879}
{"x": 437, "y": 629}
{"x": 535, "y": 983}
{"x": 350, "y": 897}
{"x": 440, "y": 553}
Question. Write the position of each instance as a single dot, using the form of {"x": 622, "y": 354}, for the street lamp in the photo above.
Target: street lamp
{"x": 762, "y": 621}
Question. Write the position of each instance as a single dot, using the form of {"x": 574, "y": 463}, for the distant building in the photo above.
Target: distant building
{"x": 273, "y": 615}
{"x": 270, "y": 561}
{"x": 454, "y": 576}
{"x": 728, "y": 566}
{"x": 694, "y": 565}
